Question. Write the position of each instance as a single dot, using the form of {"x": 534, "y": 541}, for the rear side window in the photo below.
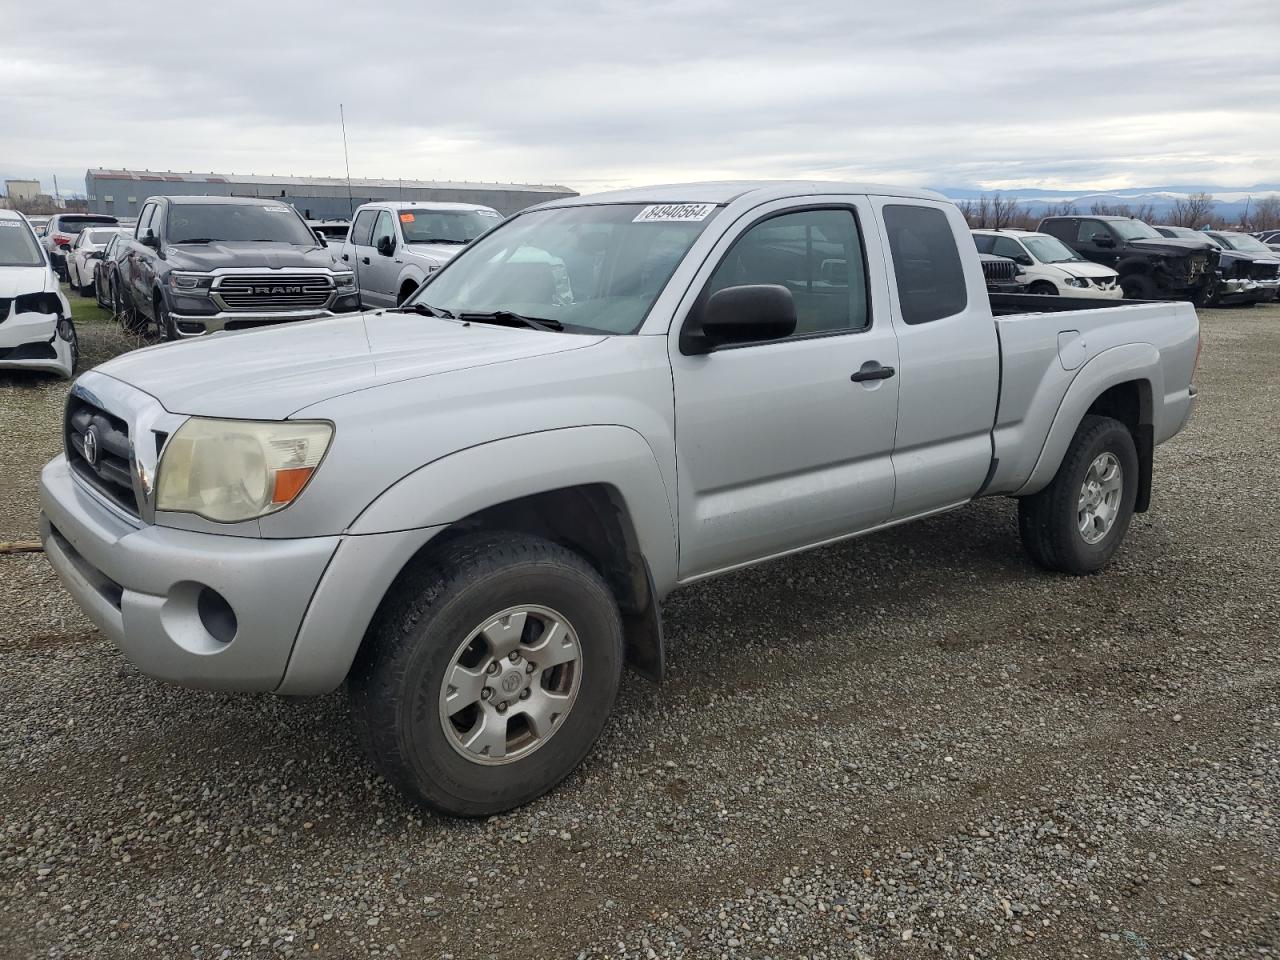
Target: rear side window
{"x": 363, "y": 226}
{"x": 926, "y": 263}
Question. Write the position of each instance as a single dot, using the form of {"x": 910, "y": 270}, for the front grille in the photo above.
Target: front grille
{"x": 253, "y": 293}
{"x": 5, "y": 304}
{"x": 1265, "y": 271}
{"x": 111, "y": 472}
{"x": 1000, "y": 270}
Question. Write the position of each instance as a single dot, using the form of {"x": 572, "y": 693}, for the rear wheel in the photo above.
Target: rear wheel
{"x": 488, "y": 673}
{"x": 1076, "y": 523}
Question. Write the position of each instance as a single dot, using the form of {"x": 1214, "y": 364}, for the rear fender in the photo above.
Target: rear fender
{"x": 1133, "y": 361}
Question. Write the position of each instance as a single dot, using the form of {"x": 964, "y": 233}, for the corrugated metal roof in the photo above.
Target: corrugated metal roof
{"x": 177, "y": 177}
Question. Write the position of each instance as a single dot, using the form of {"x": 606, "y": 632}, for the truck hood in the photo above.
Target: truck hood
{"x": 439, "y": 252}
{"x": 272, "y": 372}
{"x": 15, "y": 281}
{"x": 1172, "y": 246}
{"x": 274, "y": 256}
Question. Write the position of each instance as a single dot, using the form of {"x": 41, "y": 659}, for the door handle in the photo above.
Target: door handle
{"x": 872, "y": 370}
{"x": 366, "y": 260}
{"x": 345, "y": 257}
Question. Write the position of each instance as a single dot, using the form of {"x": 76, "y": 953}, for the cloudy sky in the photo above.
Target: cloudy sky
{"x": 1089, "y": 93}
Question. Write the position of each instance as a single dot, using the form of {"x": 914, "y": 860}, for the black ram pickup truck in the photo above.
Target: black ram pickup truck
{"x": 197, "y": 265}
{"x": 1245, "y": 275}
{"x": 1151, "y": 267}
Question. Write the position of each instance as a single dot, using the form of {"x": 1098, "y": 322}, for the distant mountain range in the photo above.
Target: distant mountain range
{"x": 1231, "y": 201}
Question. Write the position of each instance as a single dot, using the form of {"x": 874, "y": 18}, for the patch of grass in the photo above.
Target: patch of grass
{"x": 86, "y": 309}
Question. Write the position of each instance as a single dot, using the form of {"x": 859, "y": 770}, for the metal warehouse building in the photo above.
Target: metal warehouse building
{"x": 122, "y": 192}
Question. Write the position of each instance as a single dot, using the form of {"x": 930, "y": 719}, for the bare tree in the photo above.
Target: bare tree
{"x": 1066, "y": 208}
{"x": 1146, "y": 212}
{"x": 1265, "y": 214}
{"x": 1195, "y": 210}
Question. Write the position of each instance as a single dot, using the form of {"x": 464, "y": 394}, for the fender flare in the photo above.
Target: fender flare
{"x": 1132, "y": 361}
{"x": 411, "y": 272}
{"x": 446, "y": 490}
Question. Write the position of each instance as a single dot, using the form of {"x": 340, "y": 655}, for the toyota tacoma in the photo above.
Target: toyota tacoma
{"x": 470, "y": 508}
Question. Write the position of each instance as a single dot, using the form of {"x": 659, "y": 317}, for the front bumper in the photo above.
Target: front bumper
{"x": 300, "y": 606}
{"x": 196, "y": 324}
{"x": 29, "y": 341}
{"x": 1238, "y": 290}
{"x": 1093, "y": 293}
{"x": 147, "y": 589}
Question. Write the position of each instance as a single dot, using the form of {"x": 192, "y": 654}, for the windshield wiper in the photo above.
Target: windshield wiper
{"x": 439, "y": 240}
{"x": 425, "y": 309}
{"x": 510, "y": 318}
{"x": 198, "y": 240}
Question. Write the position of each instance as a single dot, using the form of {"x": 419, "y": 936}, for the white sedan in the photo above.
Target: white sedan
{"x": 1051, "y": 266}
{"x": 36, "y": 331}
{"x": 84, "y": 254}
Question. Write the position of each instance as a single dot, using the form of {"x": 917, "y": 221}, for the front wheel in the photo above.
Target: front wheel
{"x": 1076, "y": 524}
{"x": 165, "y": 325}
{"x": 488, "y": 673}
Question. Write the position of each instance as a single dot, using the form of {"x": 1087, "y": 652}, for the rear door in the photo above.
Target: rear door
{"x": 949, "y": 358}
{"x": 777, "y": 448}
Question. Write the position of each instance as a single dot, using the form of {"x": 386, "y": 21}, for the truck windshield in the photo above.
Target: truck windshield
{"x": 17, "y": 246}
{"x": 216, "y": 222}
{"x": 589, "y": 268}
{"x": 1051, "y": 250}
{"x": 1134, "y": 230}
{"x": 446, "y": 226}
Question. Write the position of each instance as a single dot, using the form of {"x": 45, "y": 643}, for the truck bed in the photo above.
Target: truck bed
{"x": 1059, "y": 354}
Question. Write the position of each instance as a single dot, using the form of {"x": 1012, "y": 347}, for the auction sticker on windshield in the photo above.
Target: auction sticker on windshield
{"x": 674, "y": 212}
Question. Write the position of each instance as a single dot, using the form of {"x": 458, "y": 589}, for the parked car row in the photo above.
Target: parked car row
{"x": 1248, "y": 270}
{"x": 1049, "y": 266}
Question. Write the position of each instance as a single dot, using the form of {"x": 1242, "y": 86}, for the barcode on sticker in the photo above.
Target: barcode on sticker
{"x": 674, "y": 212}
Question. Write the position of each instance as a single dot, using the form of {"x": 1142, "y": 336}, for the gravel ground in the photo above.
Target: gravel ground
{"x": 909, "y": 745}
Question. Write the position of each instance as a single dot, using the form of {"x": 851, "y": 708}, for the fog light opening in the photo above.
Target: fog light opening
{"x": 216, "y": 615}
{"x": 189, "y": 327}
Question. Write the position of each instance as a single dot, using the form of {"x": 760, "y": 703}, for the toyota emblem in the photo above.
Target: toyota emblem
{"x": 91, "y": 446}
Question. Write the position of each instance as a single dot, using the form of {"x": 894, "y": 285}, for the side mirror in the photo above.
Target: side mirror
{"x": 1103, "y": 240}
{"x": 386, "y": 246}
{"x": 1024, "y": 259}
{"x": 320, "y": 238}
{"x": 751, "y": 313}
{"x": 149, "y": 239}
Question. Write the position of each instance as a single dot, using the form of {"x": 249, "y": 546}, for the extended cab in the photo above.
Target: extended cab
{"x": 394, "y": 247}
{"x": 470, "y": 508}
{"x": 197, "y": 265}
{"x": 1151, "y": 267}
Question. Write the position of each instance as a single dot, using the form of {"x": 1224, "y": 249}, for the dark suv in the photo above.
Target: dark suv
{"x": 1151, "y": 267}
{"x": 196, "y": 265}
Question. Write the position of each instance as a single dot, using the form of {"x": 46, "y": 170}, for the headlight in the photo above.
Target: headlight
{"x": 190, "y": 284}
{"x": 232, "y": 470}
{"x": 345, "y": 282}
{"x": 1075, "y": 282}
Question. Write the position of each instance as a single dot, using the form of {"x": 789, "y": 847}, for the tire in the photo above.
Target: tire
{"x": 405, "y": 293}
{"x": 73, "y": 341}
{"x": 397, "y": 683}
{"x": 1050, "y": 521}
{"x": 164, "y": 320}
{"x": 1136, "y": 286}
{"x": 97, "y": 291}
{"x": 1043, "y": 288}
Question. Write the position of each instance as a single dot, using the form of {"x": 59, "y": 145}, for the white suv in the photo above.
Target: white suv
{"x": 1050, "y": 265}
{"x": 393, "y": 247}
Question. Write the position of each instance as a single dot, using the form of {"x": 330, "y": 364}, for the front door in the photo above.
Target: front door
{"x": 777, "y": 447}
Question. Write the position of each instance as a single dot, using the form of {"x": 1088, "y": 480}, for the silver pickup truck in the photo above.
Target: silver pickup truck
{"x": 469, "y": 508}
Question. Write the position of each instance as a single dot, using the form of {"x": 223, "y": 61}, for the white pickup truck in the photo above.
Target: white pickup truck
{"x": 469, "y": 508}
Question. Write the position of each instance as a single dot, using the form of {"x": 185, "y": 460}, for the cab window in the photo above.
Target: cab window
{"x": 363, "y": 226}
{"x": 817, "y": 255}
